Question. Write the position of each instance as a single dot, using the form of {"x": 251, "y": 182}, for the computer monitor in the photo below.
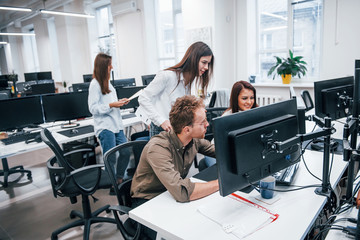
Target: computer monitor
{"x": 7, "y": 77}
{"x": 31, "y": 76}
{"x": 243, "y": 144}
{"x": 4, "y": 83}
{"x": 126, "y": 92}
{"x": 42, "y": 88}
{"x": 87, "y": 78}
{"x": 124, "y": 82}
{"x": 18, "y": 113}
{"x": 44, "y": 75}
{"x": 65, "y": 106}
{"x": 333, "y": 97}
{"x": 146, "y": 79}
{"x": 81, "y": 87}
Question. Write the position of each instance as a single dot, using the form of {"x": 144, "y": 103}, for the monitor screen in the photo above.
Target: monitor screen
{"x": 87, "y": 78}
{"x": 124, "y": 82}
{"x": 65, "y": 106}
{"x": 4, "y": 83}
{"x": 41, "y": 88}
{"x": 146, "y": 79}
{"x": 243, "y": 152}
{"x": 21, "y": 112}
{"x": 332, "y": 97}
{"x": 31, "y": 76}
{"x": 44, "y": 75}
{"x": 126, "y": 92}
{"x": 81, "y": 87}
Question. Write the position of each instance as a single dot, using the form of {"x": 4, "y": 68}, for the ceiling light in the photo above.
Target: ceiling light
{"x": 3, "y": 43}
{"x": 16, "y": 34}
{"x": 15, "y": 9}
{"x": 67, "y": 14}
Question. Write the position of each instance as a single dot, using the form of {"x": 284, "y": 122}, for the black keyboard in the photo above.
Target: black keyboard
{"x": 21, "y": 137}
{"x": 77, "y": 131}
{"x": 286, "y": 176}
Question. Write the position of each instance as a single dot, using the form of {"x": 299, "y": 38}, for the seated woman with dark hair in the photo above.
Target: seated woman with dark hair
{"x": 242, "y": 98}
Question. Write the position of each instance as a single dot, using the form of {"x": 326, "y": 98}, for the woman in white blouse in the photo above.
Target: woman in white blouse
{"x": 191, "y": 74}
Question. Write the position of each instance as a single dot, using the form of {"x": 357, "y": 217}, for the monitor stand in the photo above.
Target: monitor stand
{"x": 69, "y": 125}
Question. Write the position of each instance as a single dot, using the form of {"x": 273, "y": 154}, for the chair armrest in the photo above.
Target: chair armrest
{"x": 121, "y": 209}
{"x": 86, "y": 168}
{"x": 78, "y": 150}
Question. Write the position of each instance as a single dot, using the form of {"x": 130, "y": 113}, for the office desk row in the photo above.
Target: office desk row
{"x": 22, "y": 147}
{"x": 295, "y": 211}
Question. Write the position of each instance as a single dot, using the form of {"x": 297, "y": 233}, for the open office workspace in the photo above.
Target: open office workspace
{"x": 309, "y": 145}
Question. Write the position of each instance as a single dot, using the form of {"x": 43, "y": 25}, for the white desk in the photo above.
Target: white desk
{"x": 22, "y": 147}
{"x": 297, "y": 210}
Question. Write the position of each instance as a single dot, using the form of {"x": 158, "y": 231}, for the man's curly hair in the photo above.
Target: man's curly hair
{"x": 183, "y": 111}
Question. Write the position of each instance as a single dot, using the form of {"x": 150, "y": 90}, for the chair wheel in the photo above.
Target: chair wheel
{"x": 72, "y": 215}
{"x": 107, "y": 210}
{"x": 29, "y": 176}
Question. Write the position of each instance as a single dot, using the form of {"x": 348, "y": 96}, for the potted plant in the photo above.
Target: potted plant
{"x": 288, "y": 67}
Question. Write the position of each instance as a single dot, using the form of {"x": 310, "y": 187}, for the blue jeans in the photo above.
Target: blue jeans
{"x": 109, "y": 140}
{"x": 209, "y": 161}
{"x": 155, "y": 130}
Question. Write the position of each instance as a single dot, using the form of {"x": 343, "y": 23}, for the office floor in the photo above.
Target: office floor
{"x": 28, "y": 209}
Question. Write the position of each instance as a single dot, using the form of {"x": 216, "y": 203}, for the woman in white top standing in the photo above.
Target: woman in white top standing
{"x": 194, "y": 70}
{"x": 104, "y": 105}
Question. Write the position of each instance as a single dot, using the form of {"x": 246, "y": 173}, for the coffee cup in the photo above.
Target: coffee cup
{"x": 267, "y": 185}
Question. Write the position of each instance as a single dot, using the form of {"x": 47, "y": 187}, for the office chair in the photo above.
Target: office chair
{"x": 220, "y": 98}
{"x": 309, "y": 104}
{"x": 129, "y": 231}
{"x": 211, "y": 113}
{"x": 8, "y": 171}
{"x": 66, "y": 181}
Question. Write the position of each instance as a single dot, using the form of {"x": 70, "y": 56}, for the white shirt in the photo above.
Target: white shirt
{"x": 104, "y": 116}
{"x": 157, "y": 98}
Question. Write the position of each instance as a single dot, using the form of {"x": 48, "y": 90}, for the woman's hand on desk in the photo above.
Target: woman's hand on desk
{"x": 119, "y": 103}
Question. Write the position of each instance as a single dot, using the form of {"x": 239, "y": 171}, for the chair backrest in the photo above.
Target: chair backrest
{"x": 309, "y": 104}
{"x": 49, "y": 140}
{"x": 212, "y": 113}
{"x": 220, "y": 98}
{"x": 132, "y": 149}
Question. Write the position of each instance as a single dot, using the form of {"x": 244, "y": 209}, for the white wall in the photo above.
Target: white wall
{"x": 341, "y": 38}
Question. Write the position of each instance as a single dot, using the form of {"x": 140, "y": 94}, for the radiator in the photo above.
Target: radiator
{"x": 263, "y": 100}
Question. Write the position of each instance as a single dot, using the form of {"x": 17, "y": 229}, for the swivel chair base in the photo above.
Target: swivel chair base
{"x": 86, "y": 219}
{"x": 8, "y": 171}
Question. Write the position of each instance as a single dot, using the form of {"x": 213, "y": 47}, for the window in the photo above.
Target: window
{"x": 170, "y": 32}
{"x": 289, "y": 24}
{"x": 105, "y": 28}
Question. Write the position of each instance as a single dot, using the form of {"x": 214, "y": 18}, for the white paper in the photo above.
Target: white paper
{"x": 236, "y": 217}
{"x": 136, "y": 94}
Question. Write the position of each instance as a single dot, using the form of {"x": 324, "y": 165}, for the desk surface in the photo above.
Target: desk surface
{"x": 22, "y": 147}
{"x": 297, "y": 210}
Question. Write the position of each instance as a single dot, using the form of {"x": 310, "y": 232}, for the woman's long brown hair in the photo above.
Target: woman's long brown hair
{"x": 101, "y": 71}
{"x": 235, "y": 91}
{"x": 190, "y": 65}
